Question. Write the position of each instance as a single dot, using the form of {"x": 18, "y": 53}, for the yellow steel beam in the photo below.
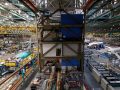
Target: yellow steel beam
{"x": 18, "y": 28}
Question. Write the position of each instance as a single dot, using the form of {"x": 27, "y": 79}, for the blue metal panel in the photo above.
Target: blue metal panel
{"x": 74, "y": 62}
{"x": 67, "y": 20}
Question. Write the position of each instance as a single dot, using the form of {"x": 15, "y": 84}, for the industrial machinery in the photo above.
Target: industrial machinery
{"x": 49, "y": 85}
{"x": 58, "y": 81}
{"x": 104, "y": 76}
{"x": 18, "y": 60}
{"x": 3, "y": 68}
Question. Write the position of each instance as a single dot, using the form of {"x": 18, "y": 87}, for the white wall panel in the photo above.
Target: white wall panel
{"x": 73, "y": 46}
{"x": 68, "y": 52}
{"x": 46, "y": 47}
{"x": 51, "y": 53}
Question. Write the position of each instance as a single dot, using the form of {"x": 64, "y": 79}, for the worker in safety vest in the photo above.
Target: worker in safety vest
{"x": 79, "y": 85}
{"x": 88, "y": 56}
{"x": 66, "y": 86}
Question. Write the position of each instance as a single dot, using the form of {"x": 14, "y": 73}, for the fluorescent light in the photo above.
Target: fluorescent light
{"x": 27, "y": 16}
{"x": 6, "y": 3}
{"x": 19, "y": 11}
{"x": 10, "y": 16}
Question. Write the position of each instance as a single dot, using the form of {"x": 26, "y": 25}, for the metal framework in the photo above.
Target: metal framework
{"x": 101, "y": 16}
{"x": 103, "y": 20}
{"x": 21, "y": 13}
{"x": 41, "y": 28}
{"x": 99, "y": 13}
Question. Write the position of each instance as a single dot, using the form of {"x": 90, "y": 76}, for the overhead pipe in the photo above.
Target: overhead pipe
{"x": 106, "y": 21}
{"x": 6, "y": 18}
{"x": 27, "y": 1}
{"x": 100, "y": 6}
{"x": 4, "y": 23}
{"x": 112, "y": 10}
{"x": 108, "y": 31}
{"x": 105, "y": 29}
{"x": 93, "y": 5}
{"x": 21, "y": 1}
{"x": 87, "y": 5}
{"x": 113, "y": 23}
{"x": 15, "y": 14}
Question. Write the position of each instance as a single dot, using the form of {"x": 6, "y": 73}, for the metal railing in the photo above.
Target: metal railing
{"x": 21, "y": 80}
{"x": 14, "y": 80}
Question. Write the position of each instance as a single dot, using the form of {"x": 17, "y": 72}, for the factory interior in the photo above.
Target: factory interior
{"x": 59, "y": 44}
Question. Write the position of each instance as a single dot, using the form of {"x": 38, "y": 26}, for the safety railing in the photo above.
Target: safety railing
{"x": 17, "y": 78}
{"x": 21, "y": 79}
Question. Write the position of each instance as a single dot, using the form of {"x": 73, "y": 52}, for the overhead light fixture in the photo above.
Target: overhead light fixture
{"x": 19, "y": 11}
{"x": 27, "y": 16}
{"x": 6, "y": 3}
{"x": 10, "y": 16}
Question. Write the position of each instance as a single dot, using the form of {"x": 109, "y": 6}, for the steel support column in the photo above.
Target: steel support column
{"x": 41, "y": 45}
{"x": 79, "y": 51}
{"x": 82, "y": 61}
{"x": 38, "y": 54}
